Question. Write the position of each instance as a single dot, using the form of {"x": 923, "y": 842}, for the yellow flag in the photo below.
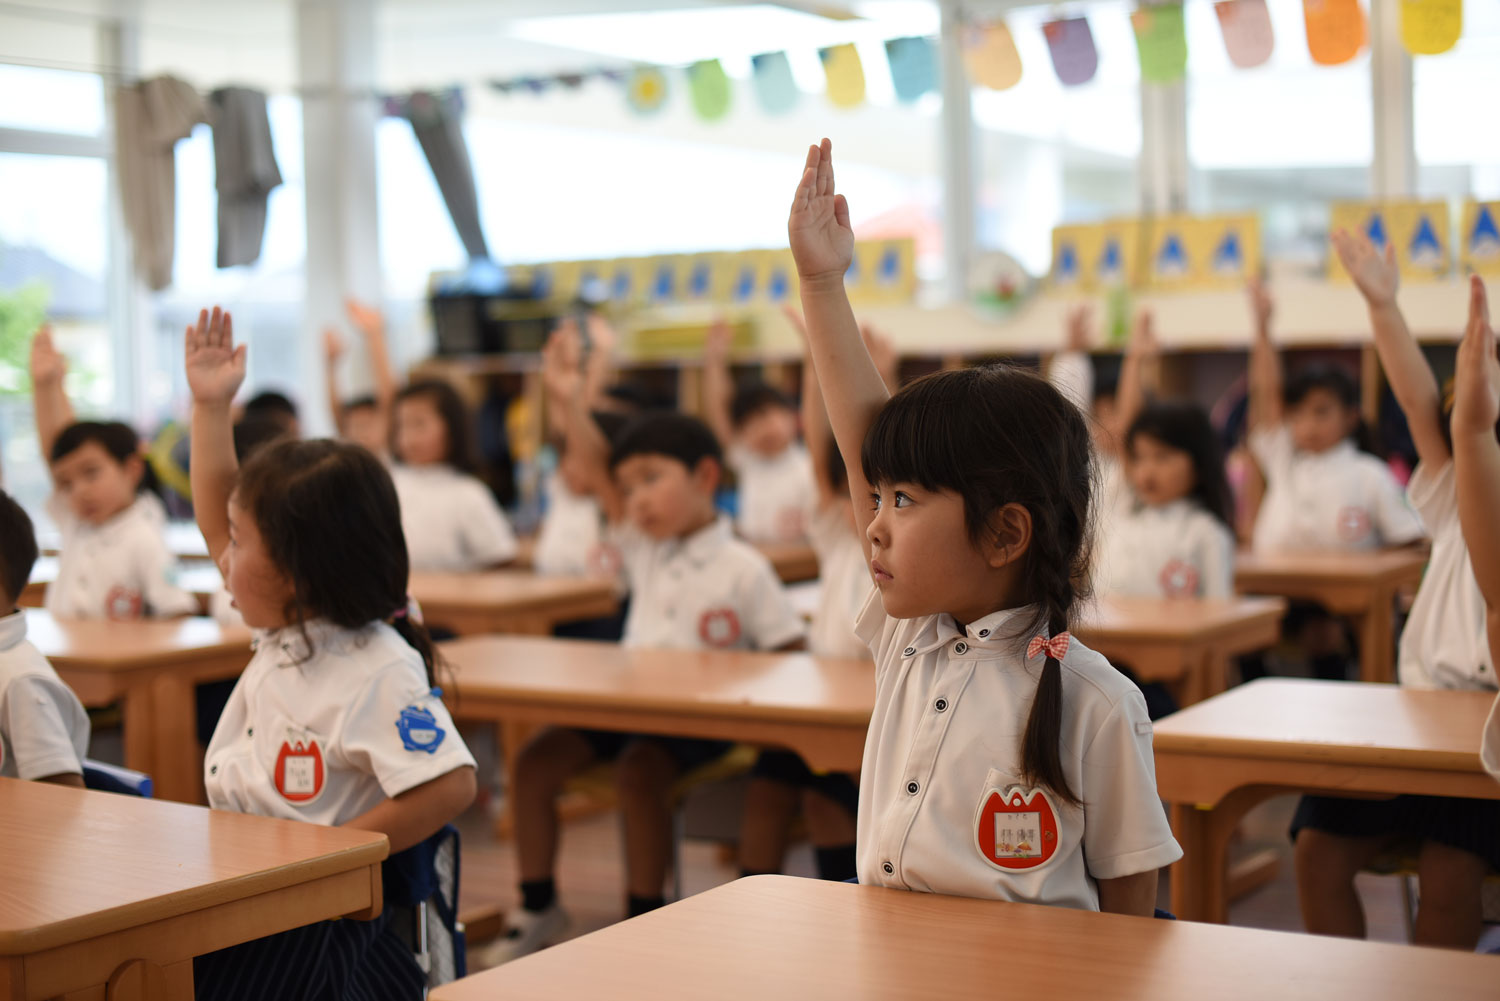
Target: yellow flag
{"x": 990, "y": 56}
{"x": 846, "y": 75}
{"x": 1429, "y": 27}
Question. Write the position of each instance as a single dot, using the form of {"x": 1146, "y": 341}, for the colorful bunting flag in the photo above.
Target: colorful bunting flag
{"x": 775, "y": 87}
{"x": 990, "y": 56}
{"x": 1335, "y": 30}
{"x": 646, "y": 90}
{"x": 710, "y": 89}
{"x": 1161, "y": 40}
{"x": 1246, "y": 25}
{"x": 914, "y": 68}
{"x": 1430, "y": 27}
{"x": 1071, "y": 43}
{"x": 846, "y": 75}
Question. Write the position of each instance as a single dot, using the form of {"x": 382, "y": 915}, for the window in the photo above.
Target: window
{"x": 1458, "y": 157}
{"x": 49, "y": 100}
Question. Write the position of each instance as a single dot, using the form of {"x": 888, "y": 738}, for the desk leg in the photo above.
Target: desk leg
{"x": 1200, "y": 889}
{"x": 137, "y": 715}
{"x": 178, "y": 769}
{"x": 1375, "y": 627}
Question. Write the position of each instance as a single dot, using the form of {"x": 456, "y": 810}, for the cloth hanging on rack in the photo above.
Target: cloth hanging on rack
{"x": 150, "y": 116}
{"x": 437, "y": 121}
{"x": 245, "y": 172}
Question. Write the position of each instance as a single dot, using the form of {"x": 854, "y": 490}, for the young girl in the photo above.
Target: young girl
{"x": 115, "y": 563}
{"x": 335, "y": 720}
{"x": 449, "y": 516}
{"x": 1444, "y": 646}
{"x": 1003, "y": 759}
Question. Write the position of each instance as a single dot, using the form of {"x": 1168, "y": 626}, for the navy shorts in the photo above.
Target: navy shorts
{"x": 789, "y": 769}
{"x": 689, "y": 753}
{"x": 1471, "y": 825}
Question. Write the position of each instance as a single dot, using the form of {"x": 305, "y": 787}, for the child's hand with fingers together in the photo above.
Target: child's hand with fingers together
{"x": 1261, "y": 304}
{"x": 1476, "y": 383}
{"x": 333, "y": 345}
{"x": 215, "y": 366}
{"x": 1375, "y": 274}
{"x": 1078, "y": 338}
{"x": 48, "y": 366}
{"x": 822, "y": 239}
{"x": 717, "y": 342}
{"x": 369, "y": 321}
{"x": 1143, "y": 335}
{"x": 562, "y": 360}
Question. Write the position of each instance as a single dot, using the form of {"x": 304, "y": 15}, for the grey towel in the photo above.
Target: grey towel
{"x": 245, "y": 172}
{"x": 150, "y": 116}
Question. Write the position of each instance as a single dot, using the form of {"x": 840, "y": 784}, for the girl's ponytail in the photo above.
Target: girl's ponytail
{"x": 1041, "y": 746}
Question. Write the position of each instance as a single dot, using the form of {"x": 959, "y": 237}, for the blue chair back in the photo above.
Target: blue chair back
{"x": 105, "y": 777}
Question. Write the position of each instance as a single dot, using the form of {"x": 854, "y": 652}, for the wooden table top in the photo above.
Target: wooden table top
{"x": 79, "y": 864}
{"x": 1251, "y": 569}
{"x": 102, "y": 645}
{"x": 778, "y": 936}
{"x": 1333, "y": 722}
{"x": 1174, "y": 619}
{"x": 515, "y": 590}
{"x": 532, "y": 670}
{"x": 793, "y": 561}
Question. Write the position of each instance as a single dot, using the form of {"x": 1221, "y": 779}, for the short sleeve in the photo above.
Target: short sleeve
{"x": 771, "y": 621}
{"x": 1433, "y": 493}
{"x": 1072, "y": 374}
{"x": 157, "y": 567}
{"x": 399, "y": 731}
{"x": 1397, "y": 523}
{"x": 47, "y": 727}
{"x": 488, "y": 538}
{"x": 1272, "y": 449}
{"x": 1125, "y": 828}
{"x": 1217, "y": 580}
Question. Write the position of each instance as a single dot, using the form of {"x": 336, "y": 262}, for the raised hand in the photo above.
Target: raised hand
{"x": 822, "y": 239}
{"x": 333, "y": 345}
{"x": 1261, "y": 304}
{"x": 562, "y": 360}
{"x": 1078, "y": 329}
{"x": 882, "y": 353}
{"x": 717, "y": 342}
{"x": 1376, "y": 274}
{"x": 48, "y": 366}
{"x": 603, "y": 338}
{"x": 1476, "y": 383}
{"x": 369, "y": 321}
{"x": 215, "y": 366}
{"x": 1143, "y": 335}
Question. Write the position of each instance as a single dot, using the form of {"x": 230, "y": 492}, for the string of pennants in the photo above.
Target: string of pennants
{"x": 1337, "y": 31}
{"x": 1223, "y": 251}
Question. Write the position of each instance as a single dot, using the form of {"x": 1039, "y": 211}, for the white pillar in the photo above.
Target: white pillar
{"x": 336, "y": 77}
{"x": 134, "y": 341}
{"x": 958, "y": 159}
{"x": 1393, "y": 173}
{"x": 1163, "y": 162}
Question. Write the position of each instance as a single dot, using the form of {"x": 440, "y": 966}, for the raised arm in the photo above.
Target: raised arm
{"x": 1137, "y": 374}
{"x": 215, "y": 371}
{"x": 1070, "y": 370}
{"x": 1265, "y": 362}
{"x": 562, "y": 358}
{"x": 599, "y": 366}
{"x": 816, "y": 431}
{"x": 1407, "y": 371}
{"x": 1476, "y": 454}
{"x": 49, "y": 400}
{"x": 564, "y": 380}
{"x": 823, "y": 246}
{"x": 333, "y": 350}
{"x": 718, "y": 385}
{"x": 370, "y": 322}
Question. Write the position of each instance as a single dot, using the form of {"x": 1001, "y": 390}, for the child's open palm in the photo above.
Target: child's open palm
{"x": 215, "y": 366}
{"x": 1476, "y": 389}
{"x": 369, "y": 321}
{"x": 333, "y": 345}
{"x": 821, "y": 237}
{"x": 48, "y": 366}
{"x": 1374, "y": 273}
{"x": 562, "y": 360}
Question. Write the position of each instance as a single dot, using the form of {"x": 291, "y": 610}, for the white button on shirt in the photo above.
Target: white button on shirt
{"x": 942, "y": 805}
{"x": 1175, "y": 550}
{"x": 121, "y": 569}
{"x": 1339, "y": 499}
{"x": 708, "y": 590}
{"x": 1444, "y": 644}
{"x": 43, "y": 728}
{"x": 451, "y": 520}
{"x": 774, "y": 494}
{"x": 843, "y": 584}
{"x": 326, "y": 738}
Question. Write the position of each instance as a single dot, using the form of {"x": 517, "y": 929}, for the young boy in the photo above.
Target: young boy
{"x": 44, "y": 732}
{"x": 693, "y": 586}
{"x": 757, "y": 427}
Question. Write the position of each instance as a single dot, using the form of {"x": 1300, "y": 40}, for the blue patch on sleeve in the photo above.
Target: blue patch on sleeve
{"x": 419, "y": 730}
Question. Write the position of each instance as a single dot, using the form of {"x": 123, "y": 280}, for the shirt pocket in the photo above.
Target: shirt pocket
{"x": 1019, "y": 828}
{"x": 294, "y": 757}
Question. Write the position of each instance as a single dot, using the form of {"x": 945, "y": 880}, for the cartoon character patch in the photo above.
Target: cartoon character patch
{"x": 719, "y": 627}
{"x": 1178, "y": 579}
{"x": 299, "y": 773}
{"x": 124, "y": 604}
{"x": 1354, "y": 524}
{"x": 1016, "y": 828}
{"x": 419, "y": 729}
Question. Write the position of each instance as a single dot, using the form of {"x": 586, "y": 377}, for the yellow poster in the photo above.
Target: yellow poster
{"x": 1479, "y": 238}
{"x": 1419, "y": 231}
{"x": 1430, "y": 27}
{"x": 1116, "y": 258}
{"x": 1222, "y": 251}
{"x": 883, "y": 271}
{"x": 1074, "y": 249}
{"x": 1174, "y": 260}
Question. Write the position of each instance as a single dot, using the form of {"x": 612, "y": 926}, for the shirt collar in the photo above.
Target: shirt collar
{"x": 295, "y": 645}
{"x": 12, "y": 629}
{"x": 994, "y": 633}
{"x": 703, "y": 545}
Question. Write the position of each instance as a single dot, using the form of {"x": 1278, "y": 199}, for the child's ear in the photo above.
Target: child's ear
{"x": 135, "y": 470}
{"x": 707, "y": 475}
{"x": 1009, "y": 535}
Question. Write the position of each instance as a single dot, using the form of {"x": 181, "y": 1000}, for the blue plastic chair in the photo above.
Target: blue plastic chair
{"x": 104, "y": 777}
{"x": 421, "y": 888}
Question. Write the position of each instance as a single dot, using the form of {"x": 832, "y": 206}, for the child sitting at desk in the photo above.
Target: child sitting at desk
{"x": 114, "y": 561}
{"x": 757, "y": 427}
{"x": 44, "y": 732}
{"x": 693, "y": 586}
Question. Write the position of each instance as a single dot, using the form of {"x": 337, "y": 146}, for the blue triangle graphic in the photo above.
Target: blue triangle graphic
{"x": 663, "y": 289}
{"x": 1376, "y": 231}
{"x": 1484, "y": 241}
{"x": 1067, "y": 261}
{"x": 700, "y": 281}
{"x": 1110, "y": 261}
{"x": 1424, "y": 244}
{"x": 745, "y": 287}
{"x": 620, "y": 288}
{"x": 1171, "y": 259}
{"x": 890, "y": 266}
{"x": 1227, "y": 256}
{"x": 777, "y": 287}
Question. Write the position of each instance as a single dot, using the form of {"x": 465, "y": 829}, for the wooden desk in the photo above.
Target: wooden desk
{"x": 200, "y": 578}
{"x": 510, "y": 601}
{"x": 778, "y": 936}
{"x": 151, "y": 666}
{"x": 1360, "y": 586}
{"x": 102, "y": 889}
{"x": 794, "y": 561}
{"x": 1186, "y": 643}
{"x": 1219, "y": 758}
{"x": 817, "y": 706}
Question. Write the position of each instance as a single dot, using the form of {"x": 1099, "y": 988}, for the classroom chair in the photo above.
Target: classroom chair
{"x": 105, "y": 777}
{"x": 421, "y": 892}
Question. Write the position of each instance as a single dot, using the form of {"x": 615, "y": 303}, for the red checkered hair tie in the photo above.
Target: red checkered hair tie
{"x": 1055, "y": 648}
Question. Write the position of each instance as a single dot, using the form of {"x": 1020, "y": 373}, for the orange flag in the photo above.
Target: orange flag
{"x": 1335, "y": 30}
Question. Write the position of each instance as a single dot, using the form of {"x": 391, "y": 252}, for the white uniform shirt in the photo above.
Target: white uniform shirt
{"x": 843, "y": 584}
{"x": 326, "y": 738}
{"x": 1339, "y": 499}
{"x": 1445, "y": 644}
{"x": 942, "y": 804}
{"x": 1175, "y": 550}
{"x": 775, "y": 494}
{"x": 43, "y": 728}
{"x": 119, "y": 570}
{"x": 451, "y": 520}
{"x": 706, "y": 591}
{"x": 572, "y": 541}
